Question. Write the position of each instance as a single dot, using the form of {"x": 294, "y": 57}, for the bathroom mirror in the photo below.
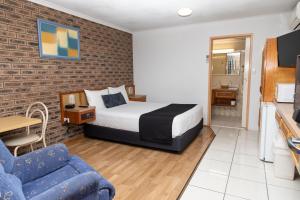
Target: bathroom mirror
{"x": 226, "y": 63}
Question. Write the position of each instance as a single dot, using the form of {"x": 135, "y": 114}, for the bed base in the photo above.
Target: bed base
{"x": 128, "y": 137}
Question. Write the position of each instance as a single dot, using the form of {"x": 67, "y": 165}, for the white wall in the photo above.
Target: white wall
{"x": 170, "y": 63}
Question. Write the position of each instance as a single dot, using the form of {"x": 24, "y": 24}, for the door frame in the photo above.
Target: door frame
{"x": 211, "y": 39}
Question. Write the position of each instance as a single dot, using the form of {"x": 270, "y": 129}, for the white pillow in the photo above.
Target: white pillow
{"x": 115, "y": 90}
{"x": 94, "y": 98}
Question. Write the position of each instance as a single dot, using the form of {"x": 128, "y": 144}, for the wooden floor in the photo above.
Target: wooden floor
{"x": 140, "y": 173}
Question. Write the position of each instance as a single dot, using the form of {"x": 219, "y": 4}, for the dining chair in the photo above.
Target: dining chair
{"x": 18, "y": 141}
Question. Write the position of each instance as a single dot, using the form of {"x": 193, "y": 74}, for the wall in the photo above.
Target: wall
{"x": 170, "y": 64}
{"x": 106, "y": 59}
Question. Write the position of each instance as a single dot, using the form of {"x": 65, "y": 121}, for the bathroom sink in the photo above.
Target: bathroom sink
{"x": 232, "y": 88}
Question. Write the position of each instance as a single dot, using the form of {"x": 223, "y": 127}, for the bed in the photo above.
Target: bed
{"x": 126, "y": 123}
{"x": 121, "y": 124}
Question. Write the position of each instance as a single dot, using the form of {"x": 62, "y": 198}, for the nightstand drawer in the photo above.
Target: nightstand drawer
{"x": 87, "y": 116}
{"x": 80, "y": 115}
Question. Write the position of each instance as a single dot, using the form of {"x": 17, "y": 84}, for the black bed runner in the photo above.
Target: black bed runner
{"x": 156, "y": 126}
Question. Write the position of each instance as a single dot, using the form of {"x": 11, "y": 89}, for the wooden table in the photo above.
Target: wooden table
{"x": 16, "y": 122}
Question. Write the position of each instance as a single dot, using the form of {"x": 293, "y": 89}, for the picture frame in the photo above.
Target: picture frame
{"x": 58, "y": 40}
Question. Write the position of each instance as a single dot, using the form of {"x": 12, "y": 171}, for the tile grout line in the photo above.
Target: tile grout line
{"x": 218, "y": 192}
{"x": 193, "y": 173}
{"x": 220, "y": 126}
{"x": 206, "y": 189}
{"x": 277, "y": 185}
{"x": 267, "y": 188}
{"x": 231, "y": 164}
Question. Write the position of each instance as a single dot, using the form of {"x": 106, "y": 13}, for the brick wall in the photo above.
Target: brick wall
{"x": 106, "y": 59}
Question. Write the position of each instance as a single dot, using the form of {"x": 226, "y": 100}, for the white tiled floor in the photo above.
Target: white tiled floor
{"x": 228, "y": 121}
{"x": 231, "y": 170}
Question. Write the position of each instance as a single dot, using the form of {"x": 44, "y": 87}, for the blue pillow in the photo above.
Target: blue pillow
{"x": 10, "y": 187}
{"x": 112, "y": 100}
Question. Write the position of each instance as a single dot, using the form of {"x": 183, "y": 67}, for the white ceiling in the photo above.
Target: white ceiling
{"x": 135, "y": 15}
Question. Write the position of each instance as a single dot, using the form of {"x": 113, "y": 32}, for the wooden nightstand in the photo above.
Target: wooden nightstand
{"x": 80, "y": 115}
{"x": 141, "y": 98}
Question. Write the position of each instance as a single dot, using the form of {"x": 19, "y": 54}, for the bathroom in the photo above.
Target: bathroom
{"x": 229, "y": 81}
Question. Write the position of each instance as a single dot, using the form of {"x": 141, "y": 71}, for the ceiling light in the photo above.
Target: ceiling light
{"x": 216, "y": 51}
{"x": 184, "y": 12}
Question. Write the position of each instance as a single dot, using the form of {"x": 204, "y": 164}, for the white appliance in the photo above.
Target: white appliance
{"x": 285, "y": 92}
{"x": 295, "y": 18}
{"x": 268, "y": 131}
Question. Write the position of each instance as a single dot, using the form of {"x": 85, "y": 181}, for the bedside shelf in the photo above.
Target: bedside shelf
{"x": 79, "y": 115}
{"x": 141, "y": 98}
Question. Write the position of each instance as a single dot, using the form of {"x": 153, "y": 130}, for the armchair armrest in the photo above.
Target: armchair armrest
{"x": 40, "y": 163}
{"x": 78, "y": 187}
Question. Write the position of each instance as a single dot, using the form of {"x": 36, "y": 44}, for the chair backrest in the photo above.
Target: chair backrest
{"x": 44, "y": 114}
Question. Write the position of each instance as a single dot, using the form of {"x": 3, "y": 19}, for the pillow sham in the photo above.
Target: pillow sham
{"x": 122, "y": 89}
{"x": 94, "y": 98}
{"x": 112, "y": 100}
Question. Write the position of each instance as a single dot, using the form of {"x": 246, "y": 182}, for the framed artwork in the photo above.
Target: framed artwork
{"x": 58, "y": 41}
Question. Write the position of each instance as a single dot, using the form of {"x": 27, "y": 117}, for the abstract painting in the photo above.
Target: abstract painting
{"x": 58, "y": 41}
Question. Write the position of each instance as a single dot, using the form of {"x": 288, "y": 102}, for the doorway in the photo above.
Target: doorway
{"x": 229, "y": 80}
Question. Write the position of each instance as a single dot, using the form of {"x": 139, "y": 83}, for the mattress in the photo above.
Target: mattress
{"x": 126, "y": 117}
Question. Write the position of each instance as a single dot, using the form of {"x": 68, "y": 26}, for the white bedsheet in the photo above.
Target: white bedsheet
{"x": 126, "y": 117}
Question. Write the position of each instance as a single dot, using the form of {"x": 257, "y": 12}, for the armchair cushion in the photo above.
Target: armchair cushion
{"x": 6, "y": 159}
{"x": 76, "y": 188}
{"x": 10, "y": 187}
{"x": 79, "y": 165}
{"x": 75, "y": 167}
{"x": 40, "y": 163}
{"x": 1, "y": 169}
{"x": 45, "y": 183}
{"x": 82, "y": 167}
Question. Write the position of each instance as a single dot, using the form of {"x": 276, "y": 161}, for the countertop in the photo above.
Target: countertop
{"x": 286, "y": 111}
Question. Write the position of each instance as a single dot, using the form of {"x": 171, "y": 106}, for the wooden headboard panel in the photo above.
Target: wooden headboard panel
{"x": 80, "y": 98}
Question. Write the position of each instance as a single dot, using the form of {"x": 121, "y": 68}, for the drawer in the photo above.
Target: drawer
{"x": 229, "y": 95}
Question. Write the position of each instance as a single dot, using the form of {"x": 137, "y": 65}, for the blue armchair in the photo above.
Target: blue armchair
{"x": 50, "y": 174}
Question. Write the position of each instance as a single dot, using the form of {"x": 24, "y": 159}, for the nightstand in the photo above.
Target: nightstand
{"x": 141, "y": 98}
{"x": 80, "y": 115}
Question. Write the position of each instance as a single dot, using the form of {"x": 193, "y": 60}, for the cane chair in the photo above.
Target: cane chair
{"x": 30, "y": 138}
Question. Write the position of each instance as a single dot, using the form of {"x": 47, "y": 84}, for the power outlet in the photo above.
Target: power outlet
{"x": 66, "y": 120}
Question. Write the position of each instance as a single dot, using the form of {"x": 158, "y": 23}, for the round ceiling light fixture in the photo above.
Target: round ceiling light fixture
{"x": 184, "y": 12}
